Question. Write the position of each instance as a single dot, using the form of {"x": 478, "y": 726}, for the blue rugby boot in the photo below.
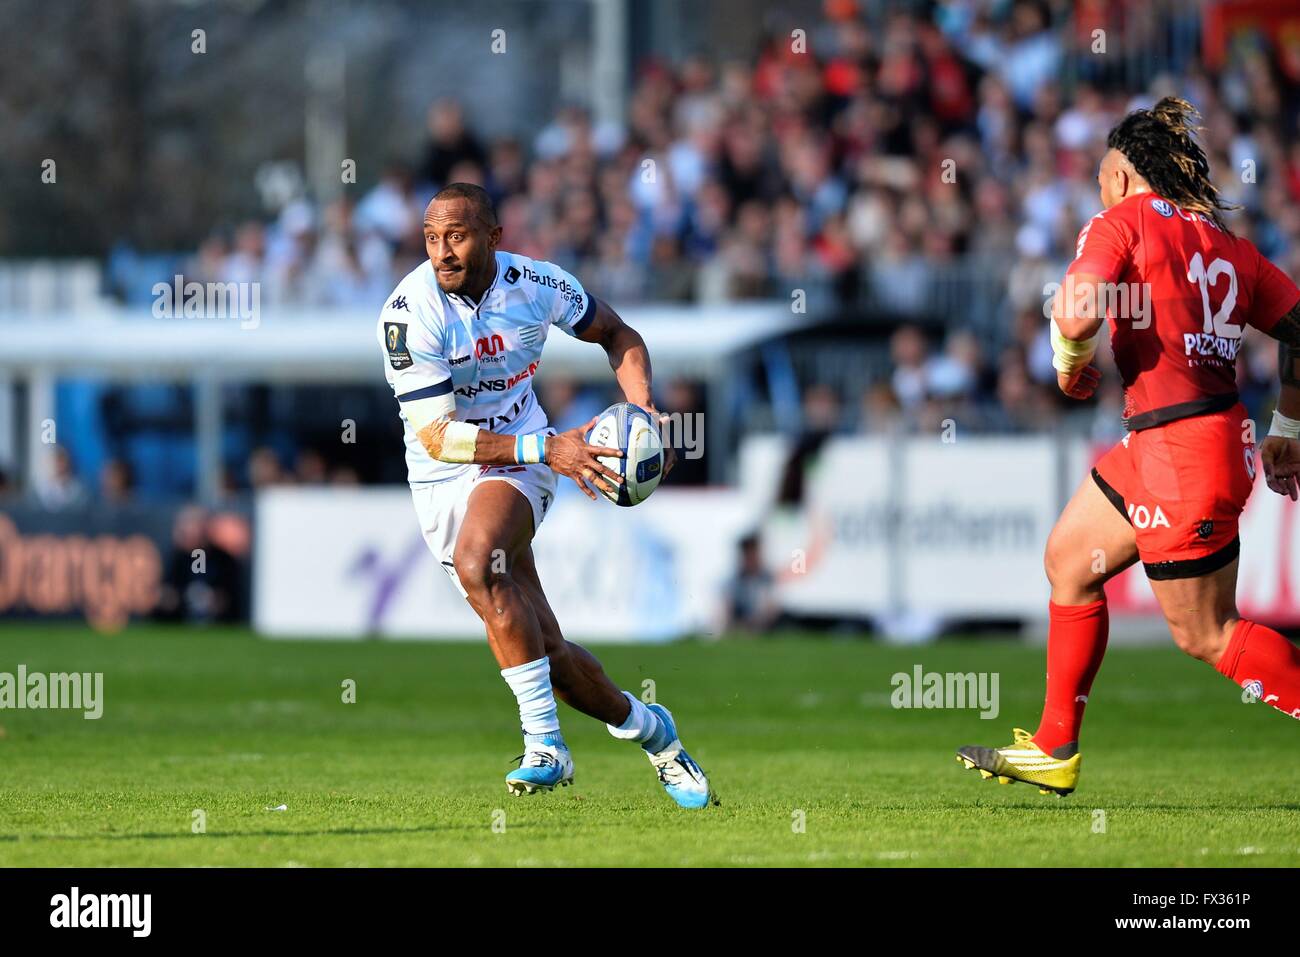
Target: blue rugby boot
{"x": 683, "y": 779}
{"x": 545, "y": 764}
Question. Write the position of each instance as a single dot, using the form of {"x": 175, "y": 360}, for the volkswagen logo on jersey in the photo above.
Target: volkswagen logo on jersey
{"x": 1162, "y": 207}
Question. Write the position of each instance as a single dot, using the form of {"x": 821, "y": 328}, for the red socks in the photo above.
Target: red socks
{"x": 1257, "y": 658}
{"x": 1076, "y": 642}
{"x": 1264, "y": 662}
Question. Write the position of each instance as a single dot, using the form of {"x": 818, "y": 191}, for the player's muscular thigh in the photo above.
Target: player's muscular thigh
{"x": 1090, "y": 544}
{"x": 498, "y": 524}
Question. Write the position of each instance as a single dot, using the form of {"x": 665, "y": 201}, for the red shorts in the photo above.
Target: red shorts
{"x": 1182, "y": 486}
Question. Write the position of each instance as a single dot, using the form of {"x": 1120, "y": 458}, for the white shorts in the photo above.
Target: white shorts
{"x": 441, "y": 506}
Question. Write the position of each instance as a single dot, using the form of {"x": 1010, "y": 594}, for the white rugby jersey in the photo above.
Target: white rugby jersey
{"x": 486, "y": 353}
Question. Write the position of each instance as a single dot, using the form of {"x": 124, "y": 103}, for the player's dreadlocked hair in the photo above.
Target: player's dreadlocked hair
{"x": 1161, "y": 145}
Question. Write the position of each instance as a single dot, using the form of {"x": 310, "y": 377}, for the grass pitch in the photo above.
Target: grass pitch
{"x": 813, "y": 764}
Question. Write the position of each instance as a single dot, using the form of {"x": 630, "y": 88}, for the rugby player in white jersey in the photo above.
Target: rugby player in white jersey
{"x": 462, "y": 337}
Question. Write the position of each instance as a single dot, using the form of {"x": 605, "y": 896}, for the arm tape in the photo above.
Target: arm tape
{"x": 443, "y": 438}
{"x": 421, "y": 412}
{"x": 1070, "y": 355}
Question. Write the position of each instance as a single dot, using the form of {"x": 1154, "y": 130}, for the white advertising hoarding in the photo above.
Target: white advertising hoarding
{"x": 884, "y": 526}
{"x": 334, "y": 563}
{"x": 830, "y": 555}
{"x": 954, "y": 529}
{"x": 973, "y": 522}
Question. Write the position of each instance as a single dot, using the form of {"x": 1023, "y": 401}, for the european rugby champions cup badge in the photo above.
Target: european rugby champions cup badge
{"x": 395, "y": 339}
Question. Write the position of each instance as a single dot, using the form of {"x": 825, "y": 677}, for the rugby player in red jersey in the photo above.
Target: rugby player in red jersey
{"x": 1181, "y": 289}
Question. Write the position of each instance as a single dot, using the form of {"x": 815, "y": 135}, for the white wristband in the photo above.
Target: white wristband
{"x": 1284, "y": 427}
{"x": 530, "y": 448}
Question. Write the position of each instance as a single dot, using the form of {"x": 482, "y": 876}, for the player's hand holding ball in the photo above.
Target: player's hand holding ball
{"x": 642, "y": 460}
{"x": 670, "y": 454}
{"x": 569, "y": 453}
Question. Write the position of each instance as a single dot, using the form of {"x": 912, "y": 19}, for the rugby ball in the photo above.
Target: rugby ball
{"x": 629, "y": 427}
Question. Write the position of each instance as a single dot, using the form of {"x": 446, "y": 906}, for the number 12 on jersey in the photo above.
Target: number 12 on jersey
{"x": 1217, "y": 323}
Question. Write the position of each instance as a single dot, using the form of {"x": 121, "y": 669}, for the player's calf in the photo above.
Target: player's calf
{"x": 581, "y": 682}
{"x": 1201, "y": 611}
{"x": 1203, "y": 620}
{"x": 1203, "y": 642}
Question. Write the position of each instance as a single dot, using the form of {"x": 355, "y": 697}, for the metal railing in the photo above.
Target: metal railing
{"x": 42, "y": 286}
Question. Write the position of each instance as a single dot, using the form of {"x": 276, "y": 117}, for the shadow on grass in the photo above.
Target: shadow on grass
{"x": 1070, "y": 805}
{"x": 211, "y": 835}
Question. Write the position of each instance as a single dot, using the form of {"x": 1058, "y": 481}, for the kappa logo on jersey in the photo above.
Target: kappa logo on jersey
{"x": 490, "y": 349}
{"x": 395, "y": 341}
{"x": 459, "y": 360}
{"x": 1143, "y": 517}
{"x": 512, "y": 275}
{"x": 399, "y": 303}
{"x": 1162, "y": 207}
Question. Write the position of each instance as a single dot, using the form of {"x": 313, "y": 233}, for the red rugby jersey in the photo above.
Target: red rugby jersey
{"x": 1200, "y": 286}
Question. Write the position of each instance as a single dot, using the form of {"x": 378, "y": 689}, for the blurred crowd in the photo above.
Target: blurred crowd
{"x": 877, "y": 156}
{"x": 950, "y": 382}
{"x": 921, "y": 169}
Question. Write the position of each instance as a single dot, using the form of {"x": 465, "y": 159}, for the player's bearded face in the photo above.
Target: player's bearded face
{"x": 454, "y": 272}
